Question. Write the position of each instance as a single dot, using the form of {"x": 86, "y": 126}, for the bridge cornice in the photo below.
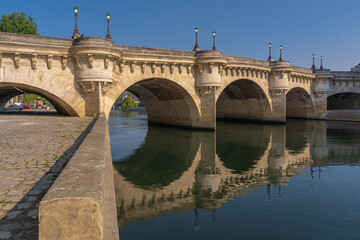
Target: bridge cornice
{"x": 52, "y": 48}
{"x": 25, "y": 39}
{"x": 133, "y": 50}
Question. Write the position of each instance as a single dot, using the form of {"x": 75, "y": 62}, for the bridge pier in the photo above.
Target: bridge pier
{"x": 208, "y": 79}
{"x": 278, "y": 85}
{"x": 93, "y": 101}
{"x": 320, "y": 104}
{"x": 278, "y": 106}
{"x": 207, "y": 109}
{"x": 321, "y": 88}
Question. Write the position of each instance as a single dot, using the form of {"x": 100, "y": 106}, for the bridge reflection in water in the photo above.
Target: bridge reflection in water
{"x": 177, "y": 170}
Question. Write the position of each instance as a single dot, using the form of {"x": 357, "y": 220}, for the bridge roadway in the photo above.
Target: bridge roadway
{"x": 84, "y": 77}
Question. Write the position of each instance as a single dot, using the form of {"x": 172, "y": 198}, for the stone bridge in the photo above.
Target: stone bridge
{"x": 84, "y": 77}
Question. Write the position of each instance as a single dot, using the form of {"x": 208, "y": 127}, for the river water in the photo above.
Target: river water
{"x": 246, "y": 181}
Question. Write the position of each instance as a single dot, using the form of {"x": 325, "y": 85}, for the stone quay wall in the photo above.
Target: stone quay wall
{"x": 81, "y": 203}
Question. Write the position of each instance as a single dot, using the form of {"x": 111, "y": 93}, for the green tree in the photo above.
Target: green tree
{"x": 128, "y": 102}
{"x": 18, "y": 23}
{"x": 30, "y": 98}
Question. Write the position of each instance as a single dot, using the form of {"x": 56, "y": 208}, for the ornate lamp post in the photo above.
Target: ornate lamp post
{"x": 76, "y": 33}
{"x": 280, "y": 59}
{"x": 108, "y": 24}
{"x": 196, "y": 48}
{"x": 313, "y": 66}
{"x": 270, "y": 58}
{"x": 321, "y": 66}
{"x": 214, "y": 34}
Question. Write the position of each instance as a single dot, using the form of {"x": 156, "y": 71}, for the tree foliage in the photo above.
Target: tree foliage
{"x": 18, "y": 23}
{"x": 128, "y": 102}
{"x": 30, "y": 98}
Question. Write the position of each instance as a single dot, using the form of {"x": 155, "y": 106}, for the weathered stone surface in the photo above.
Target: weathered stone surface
{"x": 13, "y": 214}
{"x": 88, "y": 74}
{"x": 33, "y": 213}
{"x": 71, "y": 219}
{"x": 31, "y": 199}
{"x": 5, "y": 235}
{"x": 83, "y": 195}
{"x": 34, "y": 192}
{"x": 24, "y": 205}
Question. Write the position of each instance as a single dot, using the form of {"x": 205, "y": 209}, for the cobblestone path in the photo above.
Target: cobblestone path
{"x": 33, "y": 151}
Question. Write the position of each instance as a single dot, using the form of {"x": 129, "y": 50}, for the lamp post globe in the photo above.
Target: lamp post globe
{"x": 196, "y": 48}
{"x": 76, "y": 33}
{"x": 214, "y": 34}
{"x": 108, "y": 25}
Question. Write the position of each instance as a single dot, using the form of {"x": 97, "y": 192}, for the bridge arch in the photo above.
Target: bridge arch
{"x": 333, "y": 90}
{"x": 9, "y": 90}
{"x": 343, "y": 100}
{"x": 166, "y": 101}
{"x": 299, "y": 103}
{"x": 57, "y": 85}
{"x": 243, "y": 99}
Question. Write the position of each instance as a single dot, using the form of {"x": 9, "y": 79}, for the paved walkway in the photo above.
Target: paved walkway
{"x": 33, "y": 151}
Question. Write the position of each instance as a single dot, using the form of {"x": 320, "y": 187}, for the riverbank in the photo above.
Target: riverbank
{"x": 34, "y": 149}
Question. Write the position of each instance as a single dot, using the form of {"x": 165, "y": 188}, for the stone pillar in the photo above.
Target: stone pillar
{"x": 208, "y": 79}
{"x": 207, "y": 108}
{"x": 320, "y": 90}
{"x": 95, "y": 59}
{"x": 278, "y": 85}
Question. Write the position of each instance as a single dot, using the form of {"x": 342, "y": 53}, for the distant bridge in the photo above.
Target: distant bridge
{"x": 84, "y": 77}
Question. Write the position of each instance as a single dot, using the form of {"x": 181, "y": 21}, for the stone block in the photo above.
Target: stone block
{"x": 5, "y": 235}
{"x": 24, "y": 205}
{"x": 82, "y": 199}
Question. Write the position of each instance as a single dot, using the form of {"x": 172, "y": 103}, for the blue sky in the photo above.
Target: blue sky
{"x": 244, "y": 28}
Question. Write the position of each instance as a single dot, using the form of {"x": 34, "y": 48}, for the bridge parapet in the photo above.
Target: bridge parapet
{"x": 25, "y": 40}
{"x": 33, "y": 49}
{"x": 344, "y": 79}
